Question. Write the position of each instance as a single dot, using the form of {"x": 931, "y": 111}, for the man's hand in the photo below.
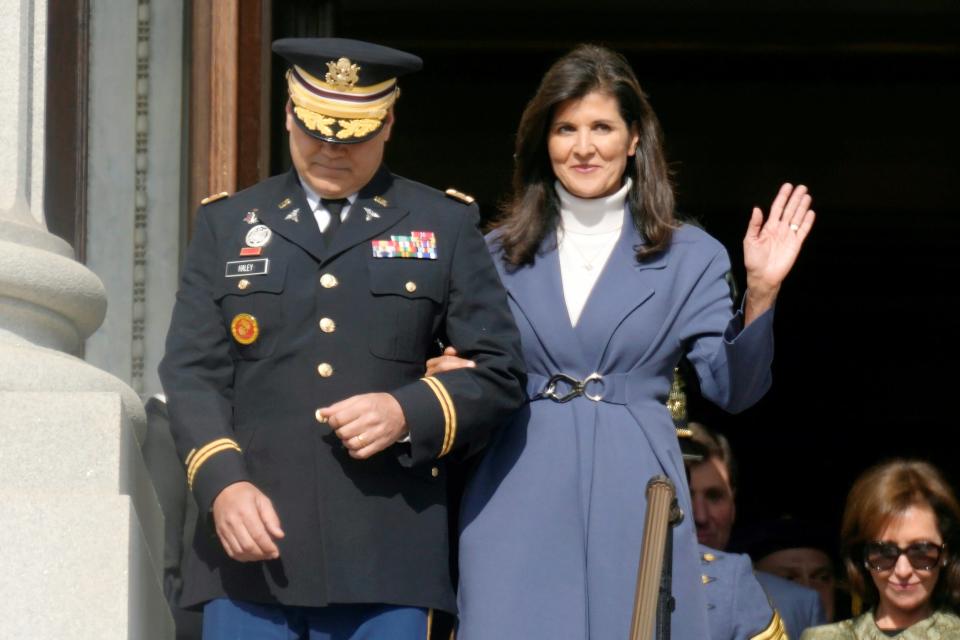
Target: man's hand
{"x": 367, "y": 423}
{"x": 247, "y": 523}
{"x": 449, "y": 361}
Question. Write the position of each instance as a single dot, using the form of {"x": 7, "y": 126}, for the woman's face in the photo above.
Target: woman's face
{"x": 905, "y": 591}
{"x": 589, "y": 144}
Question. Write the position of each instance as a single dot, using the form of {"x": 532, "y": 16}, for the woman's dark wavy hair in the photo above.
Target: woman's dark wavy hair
{"x": 532, "y": 209}
{"x": 885, "y": 492}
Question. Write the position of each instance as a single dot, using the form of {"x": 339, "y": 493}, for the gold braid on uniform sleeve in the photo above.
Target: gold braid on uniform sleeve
{"x": 449, "y": 414}
{"x": 197, "y": 457}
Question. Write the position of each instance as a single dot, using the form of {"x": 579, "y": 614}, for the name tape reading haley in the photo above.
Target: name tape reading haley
{"x": 238, "y": 268}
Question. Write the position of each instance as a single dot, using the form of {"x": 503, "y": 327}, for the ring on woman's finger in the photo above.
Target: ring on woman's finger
{"x": 794, "y": 227}
{"x": 359, "y": 437}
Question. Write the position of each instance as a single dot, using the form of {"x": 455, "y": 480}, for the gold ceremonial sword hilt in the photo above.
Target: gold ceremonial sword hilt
{"x": 662, "y": 514}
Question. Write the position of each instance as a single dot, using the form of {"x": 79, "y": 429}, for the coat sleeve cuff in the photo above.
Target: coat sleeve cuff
{"x": 748, "y": 357}
{"x": 757, "y": 335}
{"x": 762, "y": 324}
{"x": 212, "y": 467}
{"x": 431, "y": 418}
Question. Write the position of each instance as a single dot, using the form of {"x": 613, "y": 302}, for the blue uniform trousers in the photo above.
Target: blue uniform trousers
{"x": 225, "y": 619}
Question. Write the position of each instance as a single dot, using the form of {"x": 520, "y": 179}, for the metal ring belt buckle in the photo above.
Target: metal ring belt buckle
{"x": 593, "y": 377}
{"x": 577, "y": 387}
{"x": 550, "y": 391}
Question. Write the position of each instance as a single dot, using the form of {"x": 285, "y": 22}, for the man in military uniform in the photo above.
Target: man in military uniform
{"x": 738, "y": 608}
{"x": 712, "y": 475}
{"x": 294, "y": 371}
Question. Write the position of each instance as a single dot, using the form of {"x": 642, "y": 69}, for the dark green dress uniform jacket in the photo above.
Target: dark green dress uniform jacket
{"x": 331, "y": 323}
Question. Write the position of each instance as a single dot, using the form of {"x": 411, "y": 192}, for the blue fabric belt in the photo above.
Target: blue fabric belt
{"x": 614, "y": 388}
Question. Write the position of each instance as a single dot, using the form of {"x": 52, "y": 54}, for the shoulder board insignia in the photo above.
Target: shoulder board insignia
{"x": 459, "y": 195}
{"x": 214, "y": 198}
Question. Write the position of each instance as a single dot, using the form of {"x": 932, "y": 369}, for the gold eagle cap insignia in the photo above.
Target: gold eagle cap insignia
{"x": 342, "y": 74}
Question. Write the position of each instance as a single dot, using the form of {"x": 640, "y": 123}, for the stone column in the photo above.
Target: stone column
{"x": 80, "y": 527}
{"x": 134, "y": 197}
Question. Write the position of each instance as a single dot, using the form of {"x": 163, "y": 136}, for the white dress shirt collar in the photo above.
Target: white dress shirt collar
{"x": 319, "y": 211}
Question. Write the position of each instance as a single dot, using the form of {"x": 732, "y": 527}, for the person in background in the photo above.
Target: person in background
{"x": 713, "y": 487}
{"x": 179, "y": 511}
{"x": 609, "y": 291}
{"x": 713, "y": 482}
{"x": 738, "y": 608}
{"x": 800, "y": 551}
{"x": 900, "y": 533}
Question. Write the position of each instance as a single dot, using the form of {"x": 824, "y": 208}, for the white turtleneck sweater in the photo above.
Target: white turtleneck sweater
{"x": 589, "y": 228}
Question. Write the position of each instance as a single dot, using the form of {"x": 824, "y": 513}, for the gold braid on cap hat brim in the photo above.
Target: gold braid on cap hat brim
{"x": 355, "y": 119}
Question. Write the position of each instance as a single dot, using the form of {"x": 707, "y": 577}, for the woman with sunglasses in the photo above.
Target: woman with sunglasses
{"x": 901, "y": 530}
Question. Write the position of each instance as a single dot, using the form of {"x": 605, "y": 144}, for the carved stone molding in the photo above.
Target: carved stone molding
{"x": 141, "y": 201}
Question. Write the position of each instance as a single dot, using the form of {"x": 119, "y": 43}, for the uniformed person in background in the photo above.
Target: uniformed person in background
{"x": 713, "y": 483}
{"x": 294, "y": 371}
{"x": 738, "y": 607}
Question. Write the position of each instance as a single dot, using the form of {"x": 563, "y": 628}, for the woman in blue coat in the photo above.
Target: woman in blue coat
{"x": 609, "y": 292}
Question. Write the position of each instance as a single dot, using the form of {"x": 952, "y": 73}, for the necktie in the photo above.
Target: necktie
{"x": 333, "y": 207}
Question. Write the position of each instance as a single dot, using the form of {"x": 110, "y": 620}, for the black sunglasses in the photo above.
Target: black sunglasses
{"x": 883, "y": 556}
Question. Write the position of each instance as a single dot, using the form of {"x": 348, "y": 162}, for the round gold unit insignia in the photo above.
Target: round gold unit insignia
{"x": 244, "y": 328}
{"x": 243, "y": 284}
{"x": 411, "y": 286}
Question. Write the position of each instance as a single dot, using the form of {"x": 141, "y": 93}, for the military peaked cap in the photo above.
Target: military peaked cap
{"x": 341, "y": 90}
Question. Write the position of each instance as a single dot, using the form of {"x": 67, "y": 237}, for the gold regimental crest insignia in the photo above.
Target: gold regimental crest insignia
{"x": 342, "y": 74}
{"x": 245, "y": 328}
